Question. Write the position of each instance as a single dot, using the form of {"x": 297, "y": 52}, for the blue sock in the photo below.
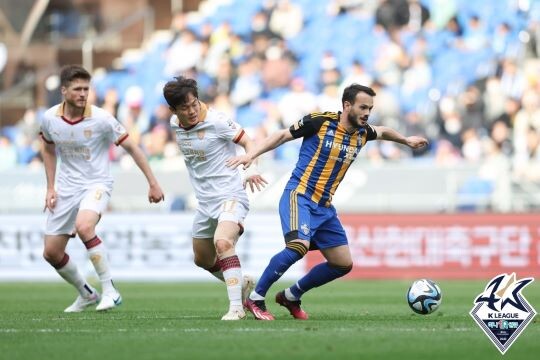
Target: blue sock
{"x": 317, "y": 276}
{"x": 278, "y": 265}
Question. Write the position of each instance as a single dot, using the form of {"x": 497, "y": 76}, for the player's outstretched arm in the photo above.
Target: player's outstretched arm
{"x": 48, "y": 152}
{"x": 155, "y": 194}
{"x": 386, "y": 133}
{"x": 269, "y": 143}
{"x": 253, "y": 178}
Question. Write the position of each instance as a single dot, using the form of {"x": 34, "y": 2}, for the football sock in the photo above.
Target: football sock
{"x": 232, "y": 273}
{"x": 216, "y": 271}
{"x": 279, "y": 263}
{"x": 98, "y": 256}
{"x": 69, "y": 272}
{"x": 289, "y": 295}
{"x": 317, "y": 276}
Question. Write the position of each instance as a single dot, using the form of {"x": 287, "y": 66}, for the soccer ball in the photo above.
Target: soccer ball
{"x": 424, "y": 296}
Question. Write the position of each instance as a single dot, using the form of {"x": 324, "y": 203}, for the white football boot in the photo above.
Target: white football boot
{"x": 234, "y": 314}
{"x": 109, "y": 300}
{"x": 82, "y": 302}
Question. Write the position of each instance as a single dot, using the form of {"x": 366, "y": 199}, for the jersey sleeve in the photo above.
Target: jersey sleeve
{"x": 371, "y": 133}
{"x": 228, "y": 129}
{"x": 44, "y": 131}
{"x": 117, "y": 131}
{"x": 307, "y": 126}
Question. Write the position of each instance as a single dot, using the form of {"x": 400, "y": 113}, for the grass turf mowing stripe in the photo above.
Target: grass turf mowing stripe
{"x": 349, "y": 319}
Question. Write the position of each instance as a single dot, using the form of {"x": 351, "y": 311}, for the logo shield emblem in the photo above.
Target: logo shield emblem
{"x": 501, "y": 311}
{"x": 200, "y": 134}
{"x": 305, "y": 229}
{"x": 87, "y": 133}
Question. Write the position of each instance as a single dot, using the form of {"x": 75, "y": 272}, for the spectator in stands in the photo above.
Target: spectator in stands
{"x": 527, "y": 160}
{"x": 500, "y": 133}
{"x": 248, "y": 86}
{"x": 110, "y": 101}
{"x": 297, "y": 102}
{"x": 286, "y": 19}
{"x": 185, "y": 53}
{"x": 131, "y": 110}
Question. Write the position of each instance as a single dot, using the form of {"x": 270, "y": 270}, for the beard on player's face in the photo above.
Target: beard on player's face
{"x": 356, "y": 119}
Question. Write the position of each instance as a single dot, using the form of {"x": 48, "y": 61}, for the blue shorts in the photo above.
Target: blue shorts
{"x": 304, "y": 219}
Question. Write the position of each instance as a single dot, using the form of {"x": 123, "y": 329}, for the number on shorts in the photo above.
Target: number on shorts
{"x": 229, "y": 206}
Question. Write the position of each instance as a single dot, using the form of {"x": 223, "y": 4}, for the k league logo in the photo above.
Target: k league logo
{"x": 502, "y": 311}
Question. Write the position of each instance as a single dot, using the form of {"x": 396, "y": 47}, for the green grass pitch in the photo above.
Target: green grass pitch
{"x": 349, "y": 320}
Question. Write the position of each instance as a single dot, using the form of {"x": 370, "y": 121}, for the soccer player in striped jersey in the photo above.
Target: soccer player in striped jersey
{"x": 80, "y": 134}
{"x": 308, "y": 219}
{"x": 207, "y": 138}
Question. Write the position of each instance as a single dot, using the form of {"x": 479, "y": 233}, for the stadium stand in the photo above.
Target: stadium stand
{"x": 465, "y": 74}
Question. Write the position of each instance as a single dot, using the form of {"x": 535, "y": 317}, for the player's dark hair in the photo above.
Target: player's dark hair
{"x": 350, "y": 92}
{"x": 69, "y": 73}
{"x": 176, "y": 91}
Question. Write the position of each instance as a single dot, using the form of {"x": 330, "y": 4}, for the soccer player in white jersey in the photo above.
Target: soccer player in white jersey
{"x": 80, "y": 134}
{"x": 207, "y": 138}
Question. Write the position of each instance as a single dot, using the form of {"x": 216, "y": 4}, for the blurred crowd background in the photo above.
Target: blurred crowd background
{"x": 465, "y": 74}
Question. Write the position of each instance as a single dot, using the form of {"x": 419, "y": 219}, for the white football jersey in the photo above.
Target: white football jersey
{"x": 82, "y": 146}
{"x": 206, "y": 147}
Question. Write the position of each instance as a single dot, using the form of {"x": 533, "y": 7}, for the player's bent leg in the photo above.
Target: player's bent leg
{"x": 54, "y": 253}
{"x": 339, "y": 264}
{"x": 280, "y": 262}
{"x": 255, "y": 303}
{"x": 204, "y": 256}
{"x": 225, "y": 238}
{"x": 85, "y": 225}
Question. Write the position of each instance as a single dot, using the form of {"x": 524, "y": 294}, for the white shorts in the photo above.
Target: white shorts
{"x": 208, "y": 216}
{"x": 62, "y": 220}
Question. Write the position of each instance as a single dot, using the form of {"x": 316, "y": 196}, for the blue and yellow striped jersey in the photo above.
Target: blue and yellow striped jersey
{"x": 326, "y": 153}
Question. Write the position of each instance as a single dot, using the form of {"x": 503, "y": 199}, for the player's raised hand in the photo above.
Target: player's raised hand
{"x": 155, "y": 194}
{"x": 236, "y": 161}
{"x": 255, "y": 181}
{"x": 416, "y": 142}
{"x": 50, "y": 200}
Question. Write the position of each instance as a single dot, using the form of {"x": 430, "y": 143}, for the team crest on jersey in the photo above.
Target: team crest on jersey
{"x": 200, "y": 134}
{"x": 87, "y": 133}
{"x": 501, "y": 311}
{"x": 305, "y": 229}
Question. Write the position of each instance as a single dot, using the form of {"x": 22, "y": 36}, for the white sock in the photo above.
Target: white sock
{"x": 254, "y": 296}
{"x": 98, "y": 257}
{"x": 289, "y": 295}
{"x": 71, "y": 274}
{"x": 232, "y": 273}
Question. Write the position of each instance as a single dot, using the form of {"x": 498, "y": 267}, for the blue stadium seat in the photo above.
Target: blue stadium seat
{"x": 474, "y": 194}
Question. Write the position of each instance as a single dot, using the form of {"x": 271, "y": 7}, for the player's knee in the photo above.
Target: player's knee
{"x": 53, "y": 257}
{"x": 341, "y": 270}
{"x": 203, "y": 262}
{"x": 224, "y": 247}
{"x": 85, "y": 230}
{"x": 300, "y": 249}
